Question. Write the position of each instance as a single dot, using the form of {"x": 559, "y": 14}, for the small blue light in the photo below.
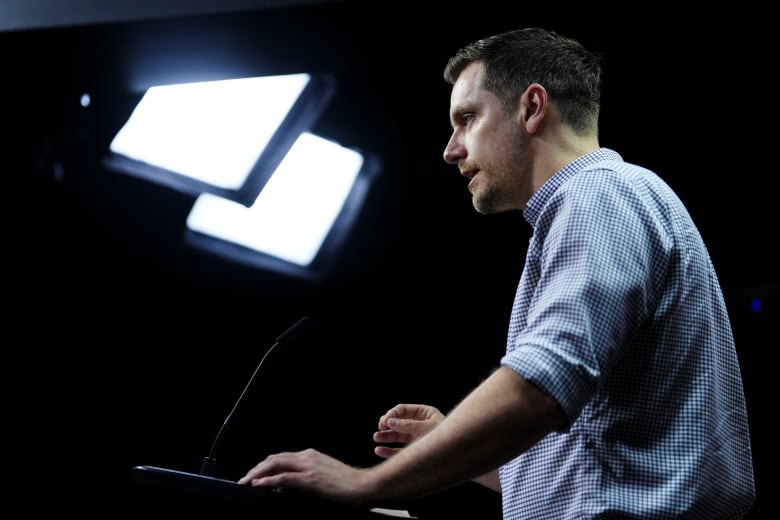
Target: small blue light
{"x": 755, "y": 304}
{"x": 85, "y": 100}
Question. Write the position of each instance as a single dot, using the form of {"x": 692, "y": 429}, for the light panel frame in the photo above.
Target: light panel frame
{"x": 302, "y": 116}
{"x": 322, "y": 264}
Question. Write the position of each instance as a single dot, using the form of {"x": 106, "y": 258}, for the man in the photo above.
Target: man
{"x": 620, "y": 394}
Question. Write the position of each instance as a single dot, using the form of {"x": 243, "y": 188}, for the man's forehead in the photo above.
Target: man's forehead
{"x": 469, "y": 81}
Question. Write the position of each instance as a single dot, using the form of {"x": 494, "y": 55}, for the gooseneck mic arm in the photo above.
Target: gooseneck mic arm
{"x": 210, "y": 462}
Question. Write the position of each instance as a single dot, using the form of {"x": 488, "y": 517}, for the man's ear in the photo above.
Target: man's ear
{"x": 534, "y": 107}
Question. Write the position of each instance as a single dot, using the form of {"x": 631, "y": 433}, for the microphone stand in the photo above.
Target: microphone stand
{"x": 208, "y": 465}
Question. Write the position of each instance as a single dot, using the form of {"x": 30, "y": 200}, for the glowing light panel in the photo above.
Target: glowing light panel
{"x": 212, "y": 131}
{"x": 296, "y": 209}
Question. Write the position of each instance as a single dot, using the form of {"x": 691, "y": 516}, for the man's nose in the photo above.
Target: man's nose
{"x": 453, "y": 152}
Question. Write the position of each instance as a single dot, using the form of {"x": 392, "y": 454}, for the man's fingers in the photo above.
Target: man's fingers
{"x": 273, "y": 470}
{"x": 385, "y": 451}
{"x": 388, "y": 436}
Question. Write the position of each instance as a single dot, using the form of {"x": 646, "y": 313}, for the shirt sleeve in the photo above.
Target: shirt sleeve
{"x": 595, "y": 261}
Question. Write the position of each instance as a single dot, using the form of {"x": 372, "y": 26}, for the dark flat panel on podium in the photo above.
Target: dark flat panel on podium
{"x": 192, "y": 491}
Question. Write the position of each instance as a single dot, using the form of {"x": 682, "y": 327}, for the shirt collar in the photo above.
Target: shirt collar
{"x": 540, "y": 198}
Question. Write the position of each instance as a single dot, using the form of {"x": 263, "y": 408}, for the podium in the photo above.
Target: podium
{"x": 175, "y": 494}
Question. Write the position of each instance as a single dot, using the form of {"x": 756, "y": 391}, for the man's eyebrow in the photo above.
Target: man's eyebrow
{"x": 457, "y": 112}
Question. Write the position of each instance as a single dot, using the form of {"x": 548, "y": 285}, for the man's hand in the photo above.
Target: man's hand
{"x": 404, "y": 423}
{"x": 312, "y": 472}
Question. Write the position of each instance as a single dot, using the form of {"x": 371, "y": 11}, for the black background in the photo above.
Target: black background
{"x": 126, "y": 347}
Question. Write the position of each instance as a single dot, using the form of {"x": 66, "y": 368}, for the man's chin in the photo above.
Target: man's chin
{"x": 481, "y": 208}
{"x": 488, "y": 207}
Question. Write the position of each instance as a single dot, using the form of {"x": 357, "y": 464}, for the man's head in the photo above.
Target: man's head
{"x": 523, "y": 104}
{"x": 514, "y": 60}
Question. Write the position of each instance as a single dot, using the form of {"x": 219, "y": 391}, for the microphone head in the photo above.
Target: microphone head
{"x": 300, "y": 326}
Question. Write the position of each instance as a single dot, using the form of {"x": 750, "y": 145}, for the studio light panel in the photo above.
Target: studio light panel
{"x": 268, "y": 192}
{"x": 296, "y": 210}
{"x": 224, "y": 137}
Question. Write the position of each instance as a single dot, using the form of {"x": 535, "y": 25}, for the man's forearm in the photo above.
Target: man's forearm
{"x": 501, "y": 418}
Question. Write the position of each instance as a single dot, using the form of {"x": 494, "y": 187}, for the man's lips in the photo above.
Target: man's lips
{"x": 469, "y": 174}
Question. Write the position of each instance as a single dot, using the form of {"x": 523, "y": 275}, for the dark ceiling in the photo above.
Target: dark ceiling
{"x": 144, "y": 343}
{"x": 16, "y": 15}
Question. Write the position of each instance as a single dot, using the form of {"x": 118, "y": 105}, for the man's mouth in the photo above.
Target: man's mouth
{"x": 470, "y": 173}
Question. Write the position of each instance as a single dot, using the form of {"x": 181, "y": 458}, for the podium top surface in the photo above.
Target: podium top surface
{"x": 292, "y": 504}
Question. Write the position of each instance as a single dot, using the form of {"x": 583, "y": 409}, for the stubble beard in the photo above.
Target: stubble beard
{"x": 497, "y": 189}
{"x": 486, "y": 201}
{"x": 495, "y": 193}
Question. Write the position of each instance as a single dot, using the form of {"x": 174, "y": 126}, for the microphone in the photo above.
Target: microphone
{"x": 209, "y": 462}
